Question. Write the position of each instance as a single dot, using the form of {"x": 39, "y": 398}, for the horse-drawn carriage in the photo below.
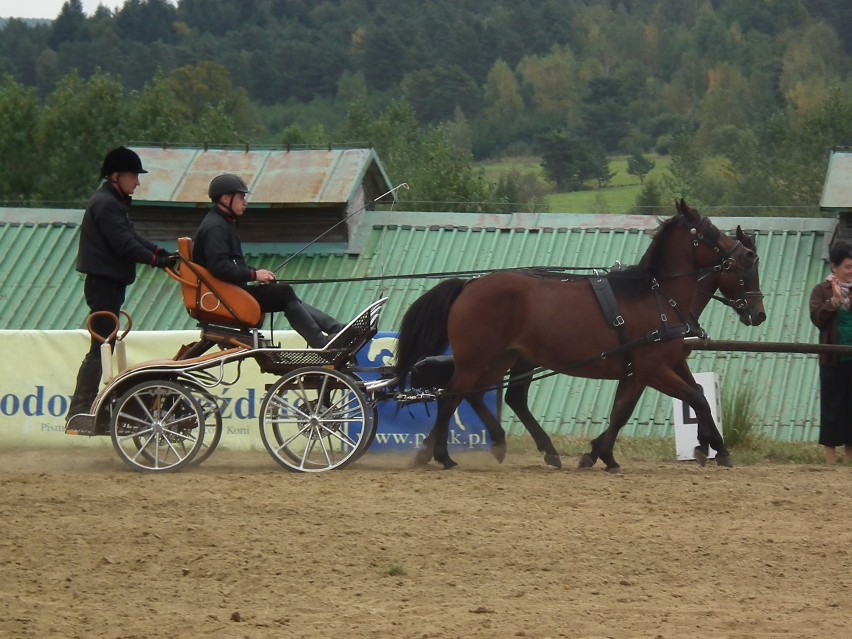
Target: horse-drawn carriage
{"x": 163, "y": 415}
{"x": 629, "y": 326}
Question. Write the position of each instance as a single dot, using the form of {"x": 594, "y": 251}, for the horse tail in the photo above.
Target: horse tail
{"x": 423, "y": 331}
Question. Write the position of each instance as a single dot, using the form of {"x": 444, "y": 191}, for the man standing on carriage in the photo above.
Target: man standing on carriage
{"x": 108, "y": 252}
{"x": 217, "y": 247}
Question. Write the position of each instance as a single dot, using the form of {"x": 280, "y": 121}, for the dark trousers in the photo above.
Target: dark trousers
{"x": 309, "y": 322}
{"x": 102, "y": 294}
{"x": 835, "y": 383}
{"x": 274, "y": 297}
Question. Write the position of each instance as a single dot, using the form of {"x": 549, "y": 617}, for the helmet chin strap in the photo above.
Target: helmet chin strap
{"x": 230, "y": 207}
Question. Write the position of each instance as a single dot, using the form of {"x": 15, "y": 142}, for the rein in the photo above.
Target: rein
{"x": 544, "y": 270}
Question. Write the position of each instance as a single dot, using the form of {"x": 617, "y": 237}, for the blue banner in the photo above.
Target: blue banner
{"x": 405, "y": 427}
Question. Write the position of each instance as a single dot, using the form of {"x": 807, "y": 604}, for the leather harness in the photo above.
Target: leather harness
{"x": 615, "y": 320}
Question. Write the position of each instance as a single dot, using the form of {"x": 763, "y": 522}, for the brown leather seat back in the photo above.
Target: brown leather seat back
{"x": 210, "y": 300}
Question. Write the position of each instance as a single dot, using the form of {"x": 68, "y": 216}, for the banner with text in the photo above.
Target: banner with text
{"x": 41, "y": 368}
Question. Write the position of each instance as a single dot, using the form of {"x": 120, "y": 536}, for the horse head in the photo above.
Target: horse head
{"x": 716, "y": 259}
{"x": 741, "y": 290}
{"x": 732, "y": 267}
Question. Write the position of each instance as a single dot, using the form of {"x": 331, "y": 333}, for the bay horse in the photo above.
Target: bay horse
{"x": 509, "y": 321}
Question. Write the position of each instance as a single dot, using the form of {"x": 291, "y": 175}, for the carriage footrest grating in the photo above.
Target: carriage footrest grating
{"x": 281, "y": 361}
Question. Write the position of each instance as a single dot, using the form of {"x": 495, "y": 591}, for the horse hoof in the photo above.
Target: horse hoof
{"x": 700, "y": 456}
{"x": 586, "y": 461}
{"x": 724, "y": 461}
{"x": 499, "y": 453}
{"x": 554, "y": 461}
{"x": 449, "y": 463}
{"x": 614, "y": 470}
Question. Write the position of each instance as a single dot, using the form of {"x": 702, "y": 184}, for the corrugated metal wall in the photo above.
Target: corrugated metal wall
{"x": 40, "y": 290}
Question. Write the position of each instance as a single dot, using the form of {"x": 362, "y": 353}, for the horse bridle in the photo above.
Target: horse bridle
{"x": 728, "y": 262}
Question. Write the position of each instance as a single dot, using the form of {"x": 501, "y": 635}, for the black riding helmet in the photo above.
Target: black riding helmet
{"x": 121, "y": 160}
{"x": 226, "y": 184}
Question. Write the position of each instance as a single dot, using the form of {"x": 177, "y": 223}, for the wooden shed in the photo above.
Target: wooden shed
{"x": 296, "y": 195}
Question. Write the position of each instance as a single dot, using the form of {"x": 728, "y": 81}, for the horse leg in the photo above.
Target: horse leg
{"x": 517, "y": 398}
{"x": 492, "y": 424}
{"x": 674, "y": 385}
{"x": 435, "y": 444}
{"x": 626, "y": 397}
{"x": 708, "y": 433}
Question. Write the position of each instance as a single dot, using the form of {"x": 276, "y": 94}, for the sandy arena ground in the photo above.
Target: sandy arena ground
{"x": 241, "y": 548}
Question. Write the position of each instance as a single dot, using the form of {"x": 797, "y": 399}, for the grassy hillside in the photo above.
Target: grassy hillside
{"x": 618, "y": 197}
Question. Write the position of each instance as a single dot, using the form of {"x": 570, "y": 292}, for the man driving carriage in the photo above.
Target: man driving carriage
{"x": 217, "y": 247}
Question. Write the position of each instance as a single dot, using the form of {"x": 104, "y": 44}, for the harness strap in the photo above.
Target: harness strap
{"x": 612, "y": 314}
{"x": 607, "y": 301}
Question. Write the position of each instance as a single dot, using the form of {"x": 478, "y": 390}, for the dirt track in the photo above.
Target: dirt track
{"x": 241, "y": 548}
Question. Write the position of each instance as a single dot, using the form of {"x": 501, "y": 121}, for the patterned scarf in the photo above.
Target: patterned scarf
{"x": 841, "y": 289}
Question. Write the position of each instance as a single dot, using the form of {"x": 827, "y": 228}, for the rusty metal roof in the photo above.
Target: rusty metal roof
{"x": 39, "y": 289}
{"x": 276, "y": 177}
{"x": 837, "y": 188}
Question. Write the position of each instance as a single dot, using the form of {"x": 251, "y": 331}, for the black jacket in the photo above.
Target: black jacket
{"x": 217, "y": 248}
{"x": 109, "y": 246}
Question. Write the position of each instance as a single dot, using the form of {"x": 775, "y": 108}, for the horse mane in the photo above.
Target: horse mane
{"x": 629, "y": 281}
{"x": 636, "y": 280}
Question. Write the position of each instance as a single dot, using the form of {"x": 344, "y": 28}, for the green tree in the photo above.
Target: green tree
{"x": 19, "y": 115}
{"x": 650, "y": 199}
{"x": 156, "y": 115}
{"x": 69, "y": 25}
{"x": 296, "y": 136}
{"x": 437, "y": 92}
{"x": 599, "y": 167}
{"x": 516, "y": 191}
{"x": 206, "y": 91}
{"x": 80, "y": 121}
{"x": 384, "y": 58}
{"x": 502, "y": 96}
{"x": 604, "y": 113}
{"x": 351, "y": 87}
{"x": 789, "y": 179}
{"x": 215, "y": 126}
{"x": 20, "y": 46}
{"x": 640, "y": 166}
{"x": 685, "y": 165}
{"x": 569, "y": 161}
{"x": 440, "y": 175}
{"x": 146, "y": 21}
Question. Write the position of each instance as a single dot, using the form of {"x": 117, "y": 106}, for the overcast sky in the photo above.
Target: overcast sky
{"x": 48, "y": 8}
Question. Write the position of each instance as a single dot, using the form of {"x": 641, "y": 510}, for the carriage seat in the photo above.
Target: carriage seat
{"x": 228, "y": 314}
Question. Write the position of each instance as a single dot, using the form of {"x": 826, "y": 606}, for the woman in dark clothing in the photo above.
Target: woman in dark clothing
{"x": 831, "y": 314}
{"x": 108, "y": 253}
{"x": 217, "y": 247}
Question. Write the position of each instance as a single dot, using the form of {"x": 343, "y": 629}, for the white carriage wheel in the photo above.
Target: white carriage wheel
{"x": 157, "y": 426}
{"x": 315, "y": 419}
{"x": 212, "y": 421}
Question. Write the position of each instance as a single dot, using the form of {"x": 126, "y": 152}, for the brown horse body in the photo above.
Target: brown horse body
{"x": 509, "y": 321}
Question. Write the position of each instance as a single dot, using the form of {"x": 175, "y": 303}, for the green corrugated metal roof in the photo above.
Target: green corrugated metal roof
{"x": 39, "y": 289}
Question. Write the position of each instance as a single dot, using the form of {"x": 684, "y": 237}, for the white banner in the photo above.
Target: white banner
{"x": 41, "y": 369}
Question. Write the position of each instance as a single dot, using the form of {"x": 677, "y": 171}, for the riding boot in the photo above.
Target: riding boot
{"x": 88, "y": 384}
{"x": 326, "y": 322}
{"x": 304, "y": 324}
